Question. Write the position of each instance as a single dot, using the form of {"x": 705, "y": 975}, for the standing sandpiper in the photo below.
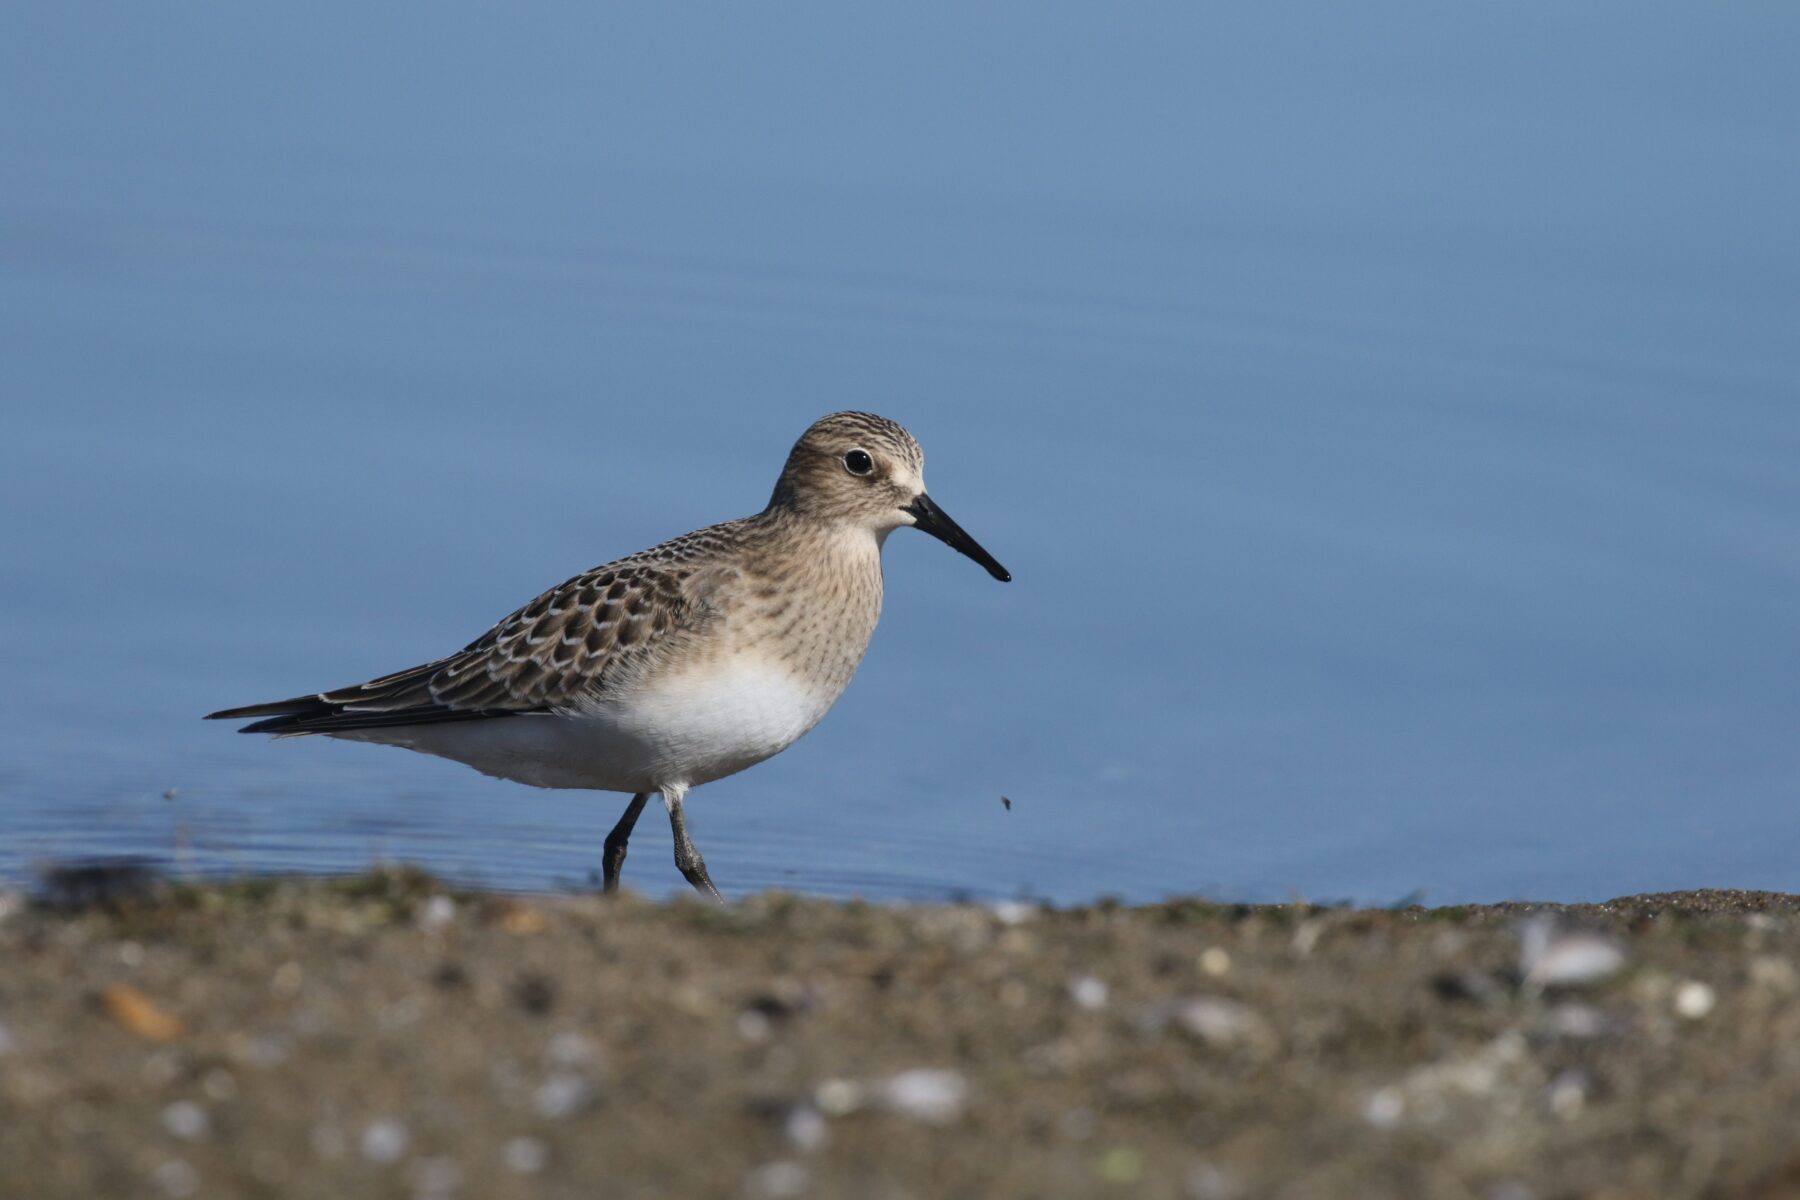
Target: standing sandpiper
{"x": 679, "y": 665}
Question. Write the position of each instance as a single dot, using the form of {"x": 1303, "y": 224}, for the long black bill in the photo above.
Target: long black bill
{"x": 937, "y": 523}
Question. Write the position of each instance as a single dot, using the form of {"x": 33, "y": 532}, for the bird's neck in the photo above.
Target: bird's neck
{"x": 820, "y": 584}
{"x": 831, "y": 543}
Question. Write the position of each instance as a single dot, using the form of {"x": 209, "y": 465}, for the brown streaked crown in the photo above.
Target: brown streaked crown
{"x": 817, "y": 483}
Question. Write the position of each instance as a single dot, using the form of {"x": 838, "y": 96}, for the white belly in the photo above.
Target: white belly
{"x": 682, "y": 731}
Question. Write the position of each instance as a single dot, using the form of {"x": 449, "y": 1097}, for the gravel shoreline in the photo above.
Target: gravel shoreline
{"x": 387, "y": 1036}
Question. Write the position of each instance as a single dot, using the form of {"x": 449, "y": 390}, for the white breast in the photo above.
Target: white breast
{"x": 712, "y": 722}
{"x": 685, "y": 729}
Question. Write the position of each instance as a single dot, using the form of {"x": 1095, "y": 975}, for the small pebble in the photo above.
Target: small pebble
{"x": 266, "y": 1050}
{"x": 176, "y": 1178}
{"x": 569, "y": 1050}
{"x": 1575, "y": 1021}
{"x": 1058, "y": 1056}
{"x": 563, "y": 1095}
{"x": 1120, "y": 1165}
{"x": 753, "y": 1025}
{"x": 140, "y": 1014}
{"x": 186, "y": 1120}
{"x": 1014, "y": 912}
{"x": 1567, "y": 1094}
{"x": 936, "y": 1097}
{"x": 1470, "y": 984}
{"x": 838, "y": 1097}
{"x": 1215, "y": 961}
{"x": 131, "y": 954}
{"x": 1384, "y": 1107}
{"x": 436, "y": 913}
{"x": 1694, "y": 999}
{"x": 385, "y": 1140}
{"x": 534, "y": 993}
{"x": 1088, "y": 992}
{"x": 778, "y": 1180}
{"x": 435, "y": 1178}
{"x": 806, "y": 1128}
{"x": 1551, "y": 956}
{"x": 1207, "y": 1182}
{"x": 525, "y": 1155}
{"x": 1221, "y": 1022}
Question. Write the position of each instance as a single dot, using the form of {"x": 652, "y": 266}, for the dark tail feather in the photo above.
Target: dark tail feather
{"x": 326, "y": 714}
{"x": 391, "y": 693}
{"x": 328, "y": 720}
{"x": 403, "y": 698}
{"x": 278, "y": 708}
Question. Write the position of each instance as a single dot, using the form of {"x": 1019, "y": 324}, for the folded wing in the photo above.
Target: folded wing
{"x": 569, "y": 646}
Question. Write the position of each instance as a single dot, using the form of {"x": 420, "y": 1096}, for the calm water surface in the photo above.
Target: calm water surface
{"x": 1392, "y": 421}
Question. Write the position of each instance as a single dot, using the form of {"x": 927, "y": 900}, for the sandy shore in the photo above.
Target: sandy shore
{"x": 384, "y": 1037}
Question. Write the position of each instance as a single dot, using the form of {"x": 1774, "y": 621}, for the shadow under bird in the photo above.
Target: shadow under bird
{"x": 679, "y": 665}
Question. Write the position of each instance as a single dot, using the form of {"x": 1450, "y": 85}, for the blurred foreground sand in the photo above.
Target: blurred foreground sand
{"x": 383, "y": 1036}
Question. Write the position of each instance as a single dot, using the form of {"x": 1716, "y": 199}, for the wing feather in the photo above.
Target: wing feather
{"x": 571, "y": 644}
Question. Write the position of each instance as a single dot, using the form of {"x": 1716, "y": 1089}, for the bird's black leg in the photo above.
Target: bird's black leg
{"x": 687, "y": 858}
{"x": 614, "y": 859}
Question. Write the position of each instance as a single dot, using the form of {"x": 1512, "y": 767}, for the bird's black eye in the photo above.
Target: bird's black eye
{"x": 858, "y": 462}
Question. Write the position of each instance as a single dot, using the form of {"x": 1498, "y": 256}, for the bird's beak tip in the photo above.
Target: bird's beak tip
{"x": 929, "y": 518}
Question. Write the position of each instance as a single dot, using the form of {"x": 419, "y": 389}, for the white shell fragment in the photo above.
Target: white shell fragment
{"x": 806, "y": 1128}
{"x": 1694, "y": 1000}
{"x": 186, "y": 1120}
{"x": 1013, "y": 912}
{"x": 1551, "y": 955}
{"x": 936, "y": 1097}
{"x": 436, "y": 913}
{"x": 385, "y": 1140}
{"x": 1088, "y": 992}
{"x": 563, "y": 1094}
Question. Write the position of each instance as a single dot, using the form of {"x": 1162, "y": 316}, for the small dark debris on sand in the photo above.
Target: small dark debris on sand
{"x": 386, "y": 1036}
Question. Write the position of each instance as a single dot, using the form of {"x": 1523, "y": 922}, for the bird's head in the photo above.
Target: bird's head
{"x": 863, "y": 470}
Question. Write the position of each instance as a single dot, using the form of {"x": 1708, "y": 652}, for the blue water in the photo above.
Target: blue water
{"x": 1391, "y": 416}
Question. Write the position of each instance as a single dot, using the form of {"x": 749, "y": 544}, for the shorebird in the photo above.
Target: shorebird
{"x": 677, "y": 666}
